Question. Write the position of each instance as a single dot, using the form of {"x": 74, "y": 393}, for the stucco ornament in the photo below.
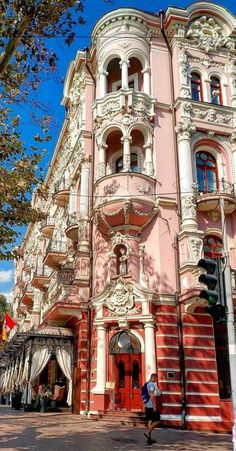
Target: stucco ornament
{"x": 208, "y": 34}
{"x": 121, "y": 298}
{"x": 188, "y": 207}
{"x": 185, "y": 129}
{"x": 195, "y": 246}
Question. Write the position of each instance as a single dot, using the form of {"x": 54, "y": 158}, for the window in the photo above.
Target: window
{"x": 206, "y": 172}
{"x": 132, "y": 83}
{"x": 196, "y": 86}
{"x": 119, "y": 164}
{"x": 133, "y": 163}
{"x": 216, "y": 95}
{"x": 212, "y": 247}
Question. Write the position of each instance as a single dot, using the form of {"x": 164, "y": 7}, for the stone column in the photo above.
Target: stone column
{"x": 124, "y": 64}
{"x": 103, "y": 83}
{"x": 126, "y": 140}
{"x": 184, "y": 130}
{"x": 73, "y": 200}
{"x": 101, "y": 360}
{"x": 149, "y": 170}
{"x": 102, "y": 160}
{"x": 232, "y": 77}
{"x": 233, "y": 150}
{"x": 147, "y": 80}
{"x": 84, "y": 190}
{"x": 150, "y": 352}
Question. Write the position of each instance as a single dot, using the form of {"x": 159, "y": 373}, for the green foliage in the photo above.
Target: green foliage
{"x": 4, "y": 307}
{"x": 25, "y": 26}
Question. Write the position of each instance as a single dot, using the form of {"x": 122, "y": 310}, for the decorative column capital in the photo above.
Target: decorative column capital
{"x": 146, "y": 70}
{"x": 103, "y": 72}
{"x": 185, "y": 129}
{"x": 102, "y": 146}
{"x": 232, "y": 140}
{"x": 149, "y": 324}
{"x": 124, "y": 61}
{"x": 127, "y": 138}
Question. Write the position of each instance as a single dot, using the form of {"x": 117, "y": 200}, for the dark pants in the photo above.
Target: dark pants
{"x": 152, "y": 415}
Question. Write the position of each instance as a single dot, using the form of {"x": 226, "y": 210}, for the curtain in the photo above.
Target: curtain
{"x": 22, "y": 379}
{"x": 64, "y": 360}
{"x": 19, "y": 371}
{"x": 39, "y": 361}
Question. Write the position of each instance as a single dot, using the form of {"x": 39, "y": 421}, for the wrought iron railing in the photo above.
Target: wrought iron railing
{"x": 57, "y": 246}
{"x": 49, "y": 221}
{"x": 62, "y": 185}
{"x": 223, "y": 187}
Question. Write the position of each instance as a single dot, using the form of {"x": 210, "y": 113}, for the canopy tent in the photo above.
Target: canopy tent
{"x": 36, "y": 348}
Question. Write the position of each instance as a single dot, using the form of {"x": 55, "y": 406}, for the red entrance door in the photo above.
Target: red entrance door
{"x": 128, "y": 381}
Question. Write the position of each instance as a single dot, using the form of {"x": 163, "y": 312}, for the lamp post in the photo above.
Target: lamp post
{"x": 230, "y": 320}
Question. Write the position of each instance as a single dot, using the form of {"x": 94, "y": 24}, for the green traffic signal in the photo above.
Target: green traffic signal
{"x": 214, "y": 294}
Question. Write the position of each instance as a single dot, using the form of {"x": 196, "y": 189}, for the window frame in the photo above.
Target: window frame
{"x": 218, "y": 87}
{"x": 205, "y": 170}
{"x": 197, "y": 83}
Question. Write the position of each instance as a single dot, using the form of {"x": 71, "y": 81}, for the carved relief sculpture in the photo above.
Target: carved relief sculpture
{"x": 121, "y": 298}
{"x": 208, "y": 35}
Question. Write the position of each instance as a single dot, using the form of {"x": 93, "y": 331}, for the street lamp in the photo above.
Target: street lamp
{"x": 230, "y": 320}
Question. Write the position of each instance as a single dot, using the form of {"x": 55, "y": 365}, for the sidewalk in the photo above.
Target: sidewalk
{"x": 62, "y": 432}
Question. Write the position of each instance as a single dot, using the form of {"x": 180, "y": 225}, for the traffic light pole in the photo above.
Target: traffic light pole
{"x": 230, "y": 319}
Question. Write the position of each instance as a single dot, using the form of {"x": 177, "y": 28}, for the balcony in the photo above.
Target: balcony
{"x": 47, "y": 228}
{"x": 72, "y": 227}
{"x": 123, "y": 101}
{"x": 27, "y": 296}
{"x": 124, "y": 199}
{"x": 41, "y": 278}
{"x": 209, "y": 202}
{"x": 63, "y": 298}
{"x": 20, "y": 282}
{"x": 61, "y": 193}
{"x": 56, "y": 254}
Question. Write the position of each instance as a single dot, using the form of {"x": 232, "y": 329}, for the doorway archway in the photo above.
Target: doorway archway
{"x": 127, "y": 360}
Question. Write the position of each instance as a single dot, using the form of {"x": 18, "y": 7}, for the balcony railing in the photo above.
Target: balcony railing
{"x": 48, "y": 226}
{"x": 56, "y": 253}
{"x": 72, "y": 226}
{"x": 209, "y": 201}
{"x": 115, "y": 102}
{"x": 62, "y": 192}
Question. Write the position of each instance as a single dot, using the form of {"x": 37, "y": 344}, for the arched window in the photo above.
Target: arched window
{"x": 133, "y": 163}
{"x": 212, "y": 247}
{"x": 119, "y": 164}
{"x": 196, "y": 86}
{"x": 207, "y": 178}
{"x": 216, "y": 94}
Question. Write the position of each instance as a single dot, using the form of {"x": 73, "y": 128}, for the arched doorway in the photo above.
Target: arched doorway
{"x": 126, "y": 349}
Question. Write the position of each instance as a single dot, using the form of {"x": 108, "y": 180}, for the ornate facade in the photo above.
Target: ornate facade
{"x": 132, "y": 197}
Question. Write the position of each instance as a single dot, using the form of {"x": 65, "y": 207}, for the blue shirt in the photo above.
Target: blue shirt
{"x": 152, "y": 386}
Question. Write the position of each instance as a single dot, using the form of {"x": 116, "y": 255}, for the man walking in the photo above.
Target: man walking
{"x": 152, "y": 413}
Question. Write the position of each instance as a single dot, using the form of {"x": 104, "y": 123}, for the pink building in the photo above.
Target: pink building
{"x": 146, "y": 152}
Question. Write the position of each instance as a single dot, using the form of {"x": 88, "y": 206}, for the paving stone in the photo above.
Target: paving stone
{"x": 63, "y": 431}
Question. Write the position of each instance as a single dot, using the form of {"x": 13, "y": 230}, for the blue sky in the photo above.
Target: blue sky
{"x": 51, "y": 91}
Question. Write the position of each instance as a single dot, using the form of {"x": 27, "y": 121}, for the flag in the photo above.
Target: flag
{"x": 8, "y": 324}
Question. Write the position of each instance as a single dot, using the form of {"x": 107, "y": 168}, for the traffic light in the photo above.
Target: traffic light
{"x": 214, "y": 295}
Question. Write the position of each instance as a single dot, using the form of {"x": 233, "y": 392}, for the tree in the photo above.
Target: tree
{"x": 4, "y": 307}
{"x": 25, "y": 28}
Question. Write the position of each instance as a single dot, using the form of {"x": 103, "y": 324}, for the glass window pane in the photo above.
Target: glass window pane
{"x": 211, "y": 181}
{"x": 200, "y": 180}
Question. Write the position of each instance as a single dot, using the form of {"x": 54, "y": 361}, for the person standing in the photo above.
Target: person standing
{"x": 152, "y": 413}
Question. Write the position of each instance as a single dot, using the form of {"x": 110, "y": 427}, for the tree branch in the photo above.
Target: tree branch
{"x": 14, "y": 40}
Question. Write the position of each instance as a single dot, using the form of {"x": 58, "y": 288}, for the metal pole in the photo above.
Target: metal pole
{"x": 230, "y": 320}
